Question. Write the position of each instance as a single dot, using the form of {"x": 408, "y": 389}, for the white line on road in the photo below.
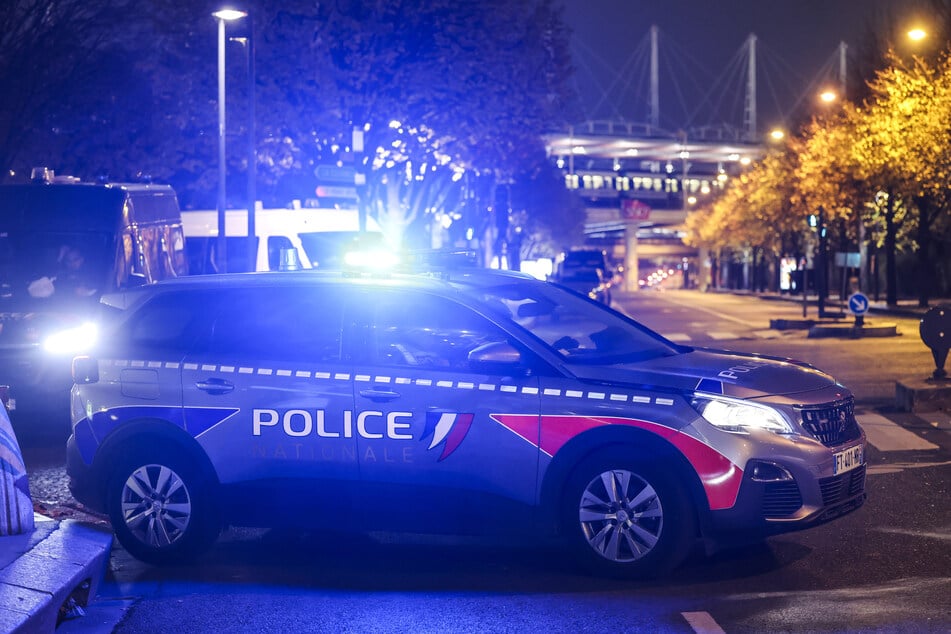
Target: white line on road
{"x": 678, "y": 336}
{"x": 897, "y": 467}
{"x": 940, "y": 420}
{"x": 889, "y": 436}
{"x": 702, "y": 623}
{"x": 723, "y": 335}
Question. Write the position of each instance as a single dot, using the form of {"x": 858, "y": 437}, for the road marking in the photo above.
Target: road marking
{"x": 943, "y": 535}
{"x": 678, "y": 336}
{"x": 723, "y": 335}
{"x": 938, "y": 420}
{"x": 889, "y": 436}
{"x": 702, "y": 623}
{"x": 897, "y": 467}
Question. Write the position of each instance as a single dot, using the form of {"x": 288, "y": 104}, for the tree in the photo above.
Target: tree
{"x": 441, "y": 88}
{"x": 902, "y": 147}
{"x": 51, "y": 60}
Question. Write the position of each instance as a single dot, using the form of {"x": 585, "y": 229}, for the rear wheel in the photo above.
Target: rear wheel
{"x": 161, "y": 508}
{"x": 626, "y": 518}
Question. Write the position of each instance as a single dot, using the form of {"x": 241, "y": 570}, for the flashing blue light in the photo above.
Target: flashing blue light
{"x": 376, "y": 259}
{"x": 72, "y": 340}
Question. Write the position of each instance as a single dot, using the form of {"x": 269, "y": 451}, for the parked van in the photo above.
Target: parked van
{"x": 317, "y": 235}
{"x": 63, "y": 243}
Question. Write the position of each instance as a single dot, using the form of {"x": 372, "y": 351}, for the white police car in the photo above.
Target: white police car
{"x": 470, "y": 401}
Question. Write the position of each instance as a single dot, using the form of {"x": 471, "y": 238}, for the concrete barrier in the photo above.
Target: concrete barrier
{"x": 16, "y": 512}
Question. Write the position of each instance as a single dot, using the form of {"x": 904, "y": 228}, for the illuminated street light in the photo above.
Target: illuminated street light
{"x": 916, "y": 34}
{"x": 777, "y": 134}
{"x": 223, "y": 15}
{"x": 828, "y": 96}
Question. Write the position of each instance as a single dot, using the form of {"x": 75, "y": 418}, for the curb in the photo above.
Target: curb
{"x": 852, "y": 331}
{"x": 47, "y": 573}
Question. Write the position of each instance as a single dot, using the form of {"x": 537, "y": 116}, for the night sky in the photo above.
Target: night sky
{"x": 698, "y": 41}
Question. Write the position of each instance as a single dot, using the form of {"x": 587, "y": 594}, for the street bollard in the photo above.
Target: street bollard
{"x": 17, "y": 514}
{"x": 935, "y": 330}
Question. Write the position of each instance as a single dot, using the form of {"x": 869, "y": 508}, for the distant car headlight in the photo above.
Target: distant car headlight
{"x": 740, "y": 416}
{"x": 72, "y": 340}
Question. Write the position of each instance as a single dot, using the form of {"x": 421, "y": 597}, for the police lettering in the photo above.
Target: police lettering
{"x": 743, "y": 368}
{"x": 298, "y": 423}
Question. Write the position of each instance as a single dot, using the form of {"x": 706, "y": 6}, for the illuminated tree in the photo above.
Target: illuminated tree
{"x": 902, "y": 147}
{"x": 753, "y": 216}
{"x": 442, "y": 88}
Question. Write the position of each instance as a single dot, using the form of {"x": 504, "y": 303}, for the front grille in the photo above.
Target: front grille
{"x": 832, "y": 424}
{"x": 842, "y": 487}
{"x": 781, "y": 499}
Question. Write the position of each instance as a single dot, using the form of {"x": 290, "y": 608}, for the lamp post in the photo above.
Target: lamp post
{"x": 223, "y": 15}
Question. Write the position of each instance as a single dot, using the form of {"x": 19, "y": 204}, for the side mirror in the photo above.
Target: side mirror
{"x": 498, "y": 357}
{"x": 136, "y": 279}
{"x": 85, "y": 370}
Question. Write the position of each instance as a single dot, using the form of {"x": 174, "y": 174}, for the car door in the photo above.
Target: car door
{"x": 430, "y": 444}
{"x": 270, "y": 398}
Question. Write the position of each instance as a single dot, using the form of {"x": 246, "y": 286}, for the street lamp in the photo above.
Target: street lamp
{"x": 223, "y": 15}
{"x": 828, "y": 96}
{"x": 917, "y": 34}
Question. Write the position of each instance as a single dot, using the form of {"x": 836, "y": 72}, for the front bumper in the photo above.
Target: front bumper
{"x": 84, "y": 480}
{"x": 770, "y": 508}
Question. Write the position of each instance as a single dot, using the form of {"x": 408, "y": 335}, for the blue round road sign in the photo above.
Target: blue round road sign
{"x": 858, "y": 304}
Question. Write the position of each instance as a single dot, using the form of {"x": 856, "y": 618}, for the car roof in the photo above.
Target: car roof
{"x": 442, "y": 280}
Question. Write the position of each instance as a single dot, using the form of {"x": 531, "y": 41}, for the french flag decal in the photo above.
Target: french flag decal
{"x": 446, "y": 429}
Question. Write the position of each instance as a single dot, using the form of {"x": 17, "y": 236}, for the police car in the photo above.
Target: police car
{"x": 466, "y": 401}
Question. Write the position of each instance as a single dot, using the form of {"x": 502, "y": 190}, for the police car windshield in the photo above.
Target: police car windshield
{"x": 579, "y": 330}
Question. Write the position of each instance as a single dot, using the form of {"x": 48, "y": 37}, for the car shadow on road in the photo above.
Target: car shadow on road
{"x": 430, "y": 563}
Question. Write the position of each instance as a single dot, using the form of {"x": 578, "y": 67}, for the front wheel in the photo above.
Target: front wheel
{"x": 626, "y": 518}
{"x": 160, "y": 507}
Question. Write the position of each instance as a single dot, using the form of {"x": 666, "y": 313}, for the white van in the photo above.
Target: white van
{"x": 317, "y": 234}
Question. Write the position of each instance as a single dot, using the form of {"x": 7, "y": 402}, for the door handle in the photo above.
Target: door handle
{"x": 215, "y": 386}
{"x": 379, "y": 396}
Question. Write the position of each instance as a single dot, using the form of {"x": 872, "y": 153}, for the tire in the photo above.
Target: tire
{"x": 161, "y": 507}
{"x": 626, "y": 518}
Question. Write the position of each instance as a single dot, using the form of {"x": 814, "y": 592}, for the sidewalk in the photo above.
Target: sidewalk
{"x": 904, "y": 307}
{"x": 50, "y": 573}
{"x": 49, "y": 569}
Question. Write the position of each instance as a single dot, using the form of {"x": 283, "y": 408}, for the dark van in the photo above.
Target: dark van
{"x": 63, "y": 243}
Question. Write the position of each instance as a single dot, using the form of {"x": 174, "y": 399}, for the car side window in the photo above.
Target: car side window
{"x": 287, "y": 323}
{"x": 411, "y": 329}
{"x": 167, "y": 326}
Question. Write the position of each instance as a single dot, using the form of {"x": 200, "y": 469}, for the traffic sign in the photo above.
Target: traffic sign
{"x": 335, "y": 191}
{"x": 335, "y": 173}
{"x": 858, "y": 304}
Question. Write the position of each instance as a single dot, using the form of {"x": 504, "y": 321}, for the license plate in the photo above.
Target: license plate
{"x": 847, "y": 460}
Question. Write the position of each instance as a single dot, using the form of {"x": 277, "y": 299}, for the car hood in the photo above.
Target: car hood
{"x": 734, "y": 374}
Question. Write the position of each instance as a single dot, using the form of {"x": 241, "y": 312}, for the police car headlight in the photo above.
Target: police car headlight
{"x": 740, "y": 416}
{"x": 72, "y": 341}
